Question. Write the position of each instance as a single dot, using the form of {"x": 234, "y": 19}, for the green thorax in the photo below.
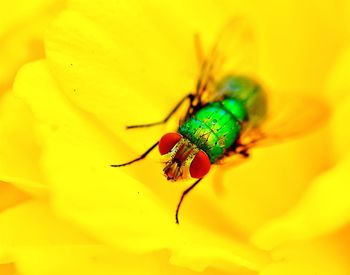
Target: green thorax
{"x": 216, "y": 126}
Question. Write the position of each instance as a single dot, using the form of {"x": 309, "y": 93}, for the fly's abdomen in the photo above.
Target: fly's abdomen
{"x": 247, "y": 91}
{"x": 215, "y": 127}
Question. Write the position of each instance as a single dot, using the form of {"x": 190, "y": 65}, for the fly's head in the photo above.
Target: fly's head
{"x": 182, "y": 159}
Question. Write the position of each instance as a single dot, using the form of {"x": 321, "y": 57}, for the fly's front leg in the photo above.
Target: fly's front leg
{"x": 189, "y": 97}
{"x": 139, "y": 158}
{"x": 182, "y": 198}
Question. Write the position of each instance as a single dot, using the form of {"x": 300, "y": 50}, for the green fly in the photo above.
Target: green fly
{"x": 227, "y": 114}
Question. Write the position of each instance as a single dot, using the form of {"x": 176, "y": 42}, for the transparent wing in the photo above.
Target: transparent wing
{"x": 289, "y": 116}
{"x": 232, "y": 53}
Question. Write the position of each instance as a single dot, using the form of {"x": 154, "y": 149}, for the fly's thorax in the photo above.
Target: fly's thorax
{"x": 215, "y": 127}
{"x": 182, "y": 159}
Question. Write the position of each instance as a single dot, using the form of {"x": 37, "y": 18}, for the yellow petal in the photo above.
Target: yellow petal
{"x": 340, "y": 133}
{"x": 267, "y": 184}
{"x": 77, "y": 157}
{"x": 112, "y": 86}
{"x": 21, "y": 27}
{"x": 298, "y": 42}
{"x": 108, "y": 203}
{"x": 323, "y": 256}
{"x": 324, "y": 207}
{"x": 96, "y": 259}
{"x": 338, "y": 83}
{"x": 10, "y": 196}
{"x": 338, "y": 93}
{"x": 7, "y": 269}
{"x": 34, "y": 224}
{"x": 19, "y": 148}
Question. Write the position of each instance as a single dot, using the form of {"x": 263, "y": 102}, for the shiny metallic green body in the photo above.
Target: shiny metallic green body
{"x": 238, "y": 101}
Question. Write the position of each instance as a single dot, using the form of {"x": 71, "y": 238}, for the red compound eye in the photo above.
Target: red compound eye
{"x": 200, "y": 165}
{"x": 167, "y": 142}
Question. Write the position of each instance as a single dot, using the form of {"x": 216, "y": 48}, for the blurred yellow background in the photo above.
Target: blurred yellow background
{"x": 74, "y": 73}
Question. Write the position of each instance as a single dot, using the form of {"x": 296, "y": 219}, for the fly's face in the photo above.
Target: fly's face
{"x": 182, "y": 158}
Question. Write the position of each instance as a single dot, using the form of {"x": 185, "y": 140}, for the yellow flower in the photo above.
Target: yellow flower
{"x": 22, "y": 27}
{"x": 21, "y": 30}
{"x": 109, "y": 64}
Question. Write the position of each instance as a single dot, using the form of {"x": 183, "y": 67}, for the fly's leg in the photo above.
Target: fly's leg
{"x": 243, "y": 151}
{"x": 237, "y": 150}
{"x": 137, "y": 159}
{"x": 189, "y": 96}
{"x": 236, "y": 154}
{"x": 182, "y": 198}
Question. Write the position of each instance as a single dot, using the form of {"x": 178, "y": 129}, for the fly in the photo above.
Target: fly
{"x": 228, "y": 114}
